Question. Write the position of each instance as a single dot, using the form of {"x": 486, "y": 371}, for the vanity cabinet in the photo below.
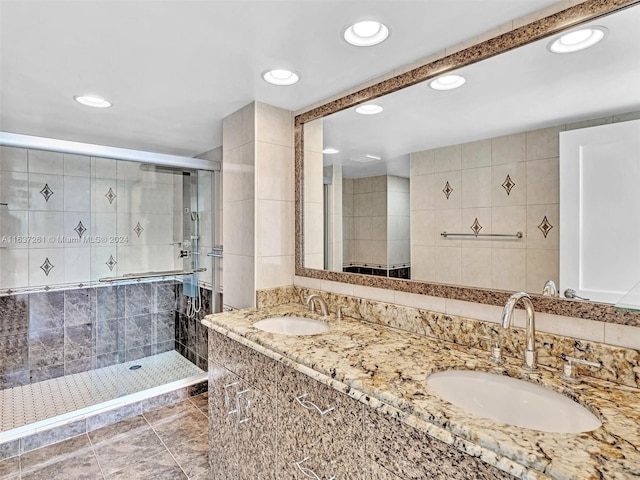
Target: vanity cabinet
{"x": 242, "y": 412}
{"x": 401, "y": 451}
{"x": 319, "y": 429}
{"x": 267, "y": 420}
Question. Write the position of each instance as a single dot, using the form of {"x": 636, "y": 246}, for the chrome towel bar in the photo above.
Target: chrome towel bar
{"x": 140, "y": 276}
{"x": 509, "y": 235}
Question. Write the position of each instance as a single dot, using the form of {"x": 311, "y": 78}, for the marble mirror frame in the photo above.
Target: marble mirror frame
{"x": 539, "y": 29}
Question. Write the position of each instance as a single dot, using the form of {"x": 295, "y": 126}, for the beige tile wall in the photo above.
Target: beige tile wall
{"x": 476, "y": 173}
{"x": 376, "y": 220}
{"x": 258, "y": 202}
{"x": 238, "y": 191}
{"x": 313, "y": 196}
{"x": 335, "y": 233}
{"x": 274, "y": 197}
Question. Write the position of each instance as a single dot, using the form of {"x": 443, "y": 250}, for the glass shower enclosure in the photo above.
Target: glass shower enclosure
{"x": 104, "y": 276}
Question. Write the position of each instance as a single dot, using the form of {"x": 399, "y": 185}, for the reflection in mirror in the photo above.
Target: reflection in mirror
{"x": 482, "y": 160}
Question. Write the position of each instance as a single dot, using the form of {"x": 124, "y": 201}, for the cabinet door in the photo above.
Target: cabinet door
{"x": 224, "y": 451}
{"x": 256, "y": 434}
{"x": 319, "y": 424}
{"x": 414, "y": 455}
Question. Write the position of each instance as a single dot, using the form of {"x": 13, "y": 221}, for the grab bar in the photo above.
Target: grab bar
{"x": 510, "y": 235}
{"x": 140, "y": 276}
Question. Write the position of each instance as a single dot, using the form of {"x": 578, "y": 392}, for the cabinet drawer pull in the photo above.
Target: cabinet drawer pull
{"x": 227, "y": 400}
{"x": 309, "y": 405}
{"x": 307, "y": 472}
{"x": 243, "y": 417}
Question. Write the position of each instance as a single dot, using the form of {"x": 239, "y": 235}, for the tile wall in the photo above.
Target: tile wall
{"x": 376, "y": 221}
{"x": 71, "y": 218}
{"x": 313, "y": 195}
{"x": 191, "y": 339}
{"x": 500, "y": 185}
{"x": 335, "y": 220}
{"x": 49, "y": 334}
{"x": 258, "y": 202}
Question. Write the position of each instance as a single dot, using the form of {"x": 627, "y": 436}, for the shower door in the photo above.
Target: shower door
{"x": 82, "y": 239}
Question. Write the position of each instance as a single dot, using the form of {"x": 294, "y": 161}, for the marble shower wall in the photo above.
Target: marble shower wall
{"x": 191, "y": 339}
{"x": 49, "y": 334}
{"x": 619, "y": 365}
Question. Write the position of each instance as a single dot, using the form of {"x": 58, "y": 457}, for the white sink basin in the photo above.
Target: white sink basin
{"x": 292, "y": 325}
{"x": 512, "y": 401}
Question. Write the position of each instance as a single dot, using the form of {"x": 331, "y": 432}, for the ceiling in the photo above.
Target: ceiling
{"x": 174, "y": 68}
{"x": 524, "y": 89}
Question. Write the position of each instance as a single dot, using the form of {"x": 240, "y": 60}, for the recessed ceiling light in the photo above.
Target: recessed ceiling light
{"x": 330, "y": 151}
{"x": 448, "y": 82}
{"x": 280, "y": 76}
{"x": 577, "y": 40}
{"x": 366, "y": 34}
{"x": 92, "y": 101}
{"x": 369, "y": 109}
{"x": 367, "y": 157}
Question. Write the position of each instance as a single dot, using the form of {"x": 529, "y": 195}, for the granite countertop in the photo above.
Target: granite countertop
{"x": 387, "y": 368}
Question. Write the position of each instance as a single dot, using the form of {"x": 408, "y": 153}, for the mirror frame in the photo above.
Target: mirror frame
{"x": 537, "y": 30}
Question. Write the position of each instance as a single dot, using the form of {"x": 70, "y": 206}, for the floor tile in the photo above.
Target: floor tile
{"x": 49, "y": 398}
{"x": 79, "y": 467}
{"x": 171, "y": 413}
{"x": 117, "y": 431}
{"x": 58, "y": 452}
{"x": 191, "y": 451}
{"x": 202, "y": 402}
{"x": 10, "y": 469}
{"x": 159, "y": 467}
{"x": 125, "y": 451}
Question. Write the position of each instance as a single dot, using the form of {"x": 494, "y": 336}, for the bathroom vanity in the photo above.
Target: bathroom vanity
{"x": 353, "y": 402}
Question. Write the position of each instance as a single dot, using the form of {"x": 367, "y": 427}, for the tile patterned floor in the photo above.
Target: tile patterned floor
{"x": 31, "y": 403}
{"x": 166, "y": 444}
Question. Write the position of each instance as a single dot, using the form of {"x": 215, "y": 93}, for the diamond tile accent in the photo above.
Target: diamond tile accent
{"x": 508, "y": 184}
{"x": 110, "y": 195}
{"x": 476, "y": 227}
{"x": 46, "y": 192}
{"x": 447, "y": 190}
{"x": 138, "y": 229}
{"x": 80, "y": 229}
{"x": 111, "y": 263}
{"x": 47, "y": 266}
{"x": 545, "y": 227}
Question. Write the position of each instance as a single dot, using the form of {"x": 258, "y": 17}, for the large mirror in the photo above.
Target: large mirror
{"x": 462, "y": 187}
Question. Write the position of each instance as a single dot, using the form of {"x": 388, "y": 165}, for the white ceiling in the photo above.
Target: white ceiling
{"x": 524, "y": 89}
{"x": 174, "y": 68}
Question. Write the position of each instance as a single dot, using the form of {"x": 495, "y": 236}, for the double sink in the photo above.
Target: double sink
{"x": 497, "y": 397}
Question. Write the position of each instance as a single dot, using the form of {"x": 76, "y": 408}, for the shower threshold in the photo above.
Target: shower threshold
{"x": 34, "y": 408}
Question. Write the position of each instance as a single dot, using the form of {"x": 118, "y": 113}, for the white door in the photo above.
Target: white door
{"x": 600, "y": 210}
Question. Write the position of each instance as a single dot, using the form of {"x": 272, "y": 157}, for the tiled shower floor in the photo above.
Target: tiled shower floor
{"x": 28, "y": 404}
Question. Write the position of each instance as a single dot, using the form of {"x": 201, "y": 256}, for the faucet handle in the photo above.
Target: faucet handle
{"x": 569, "y": 373}
{"x": 494, "y": 348}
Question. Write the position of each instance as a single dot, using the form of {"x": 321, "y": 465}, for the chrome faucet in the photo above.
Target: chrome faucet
{"x": 507, "y": 314}
{"x": 312, "y": 307}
